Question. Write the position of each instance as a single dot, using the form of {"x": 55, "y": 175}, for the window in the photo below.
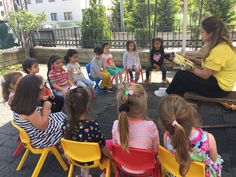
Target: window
{"x": 2, "y": 13}
{"x": 68, "y": 15}
{"x": 39, "y": 1}
{"x": 28, "y": 1}
{"x": 1, "y": 3}
{"x": 51, "y": 0}
{"x": 54, "y": 16}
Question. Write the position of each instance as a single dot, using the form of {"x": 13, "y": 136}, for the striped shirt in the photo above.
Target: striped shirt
{"x": 59, "y": 77}
{"x": 43, "y": 138}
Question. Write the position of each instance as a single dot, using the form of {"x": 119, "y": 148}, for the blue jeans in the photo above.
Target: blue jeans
{"x": 85, "y": 83}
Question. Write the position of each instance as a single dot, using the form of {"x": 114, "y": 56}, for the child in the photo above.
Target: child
{"x": 79, "y": 127}
{"x": 133, "y": 129}
{"x": 44, "y": 129}
{"x": 96, "y": 64}
{"x": 157, "y": 56}
{"x": 31, "y": 67}
{"x": 74, "y": 72}
{"x": 57, "y": 76}
{"x": 9, "y": 84}
{"x": 110, "y": 65}
{"x": 131, "y": 61}
{"x": 185, "y": 139}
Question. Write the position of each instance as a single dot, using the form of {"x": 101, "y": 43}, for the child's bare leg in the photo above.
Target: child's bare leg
{"x": 116, "y": 79}
{"x": 120, "y": 77}
{"x": 85, "y": 172}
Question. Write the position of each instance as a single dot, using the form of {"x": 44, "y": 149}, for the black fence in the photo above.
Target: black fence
{"x": 72, "y": 37}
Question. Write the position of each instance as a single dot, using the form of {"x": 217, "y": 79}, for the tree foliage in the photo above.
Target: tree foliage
{"x": 95, "y": 27}
{"x": 224, "y": 9}
{"x": 116, "y": 14}
{"x": 23, "y": 23}
{"x": 6, "y": 38}
{"x": 166, "y": 11}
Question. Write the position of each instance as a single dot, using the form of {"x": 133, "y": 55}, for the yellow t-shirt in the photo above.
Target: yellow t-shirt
{"x": 222, "y": 60}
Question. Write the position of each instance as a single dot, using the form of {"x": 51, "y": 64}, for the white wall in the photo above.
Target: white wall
{"x": 59, "y": 7}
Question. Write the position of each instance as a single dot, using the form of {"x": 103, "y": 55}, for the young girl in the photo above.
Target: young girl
{"x": 98, "y": 70}
{"x": 74, "y": 72}
{"x": 79, "y": 127}
{"x": 133, "y": 129}
{"x": 157, "y": 56}
{"x": 9, "y": 84}
{"x": 217, "y": 76}
{"x": 44, "y": 129}
{"x": 31, "y": 67}
{"x": 131, "y": 61}
{"x": 185, "y": 139}
{"x": 57, "y": 76}
{"x": 110, "y": 65}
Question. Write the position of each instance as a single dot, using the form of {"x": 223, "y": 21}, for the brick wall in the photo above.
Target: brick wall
{"x": 12, "y": 56}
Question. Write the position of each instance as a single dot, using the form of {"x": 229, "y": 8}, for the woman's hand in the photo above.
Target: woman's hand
{"x": 47, "y": 105}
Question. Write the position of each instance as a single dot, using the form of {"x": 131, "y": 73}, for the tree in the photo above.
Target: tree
{"x": 95, "y": 27}
{"x": 24, "y": 23}
{"x": 166, "y": 11}
{"x": 6, "y": 38}
{"x": 116, "y": 14}
{"x": 128, "y": 12}
{"x": 224, "y": 9}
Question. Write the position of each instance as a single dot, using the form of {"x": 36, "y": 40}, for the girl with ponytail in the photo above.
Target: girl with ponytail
{"x": 133, "y": 129}
{"x": 185, "y": 139}
{"x": 79, "y": 127}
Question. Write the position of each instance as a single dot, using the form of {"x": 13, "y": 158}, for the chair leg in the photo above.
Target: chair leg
{"x": 59, "y": 158}
{"x": 40, "y": 163}
{"x": 71, "y": 170}
{"x": 17, "y": 150}
{"x": 22, "y": 161}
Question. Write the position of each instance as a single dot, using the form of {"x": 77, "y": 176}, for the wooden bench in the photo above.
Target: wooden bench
{"x": 231, "y": 99}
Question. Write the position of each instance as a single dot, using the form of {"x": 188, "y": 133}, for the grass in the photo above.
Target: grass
{"x": 7, "y": 69}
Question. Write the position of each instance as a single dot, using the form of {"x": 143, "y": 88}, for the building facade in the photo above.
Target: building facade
{"x": 2, "y": 12}
{"x": 58, "y": 10}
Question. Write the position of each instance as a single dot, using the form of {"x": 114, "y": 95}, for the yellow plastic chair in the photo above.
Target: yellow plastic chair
{"x": 25, "y": 140}
{"x": 84, "y": 152}
{"x": 169, "y": 163}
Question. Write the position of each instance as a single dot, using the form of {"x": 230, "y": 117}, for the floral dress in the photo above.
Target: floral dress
{"x": 201, "y": 152}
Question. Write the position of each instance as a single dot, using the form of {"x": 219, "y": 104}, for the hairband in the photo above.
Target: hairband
{"x": 128, "y": 92}
{"x": 174, "y": 123}
{"x": 124, "y": 107}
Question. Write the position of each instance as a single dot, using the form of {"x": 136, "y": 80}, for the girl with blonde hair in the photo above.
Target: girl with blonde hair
{"x": 133, "y": 128}
{"x": 185, "y": 139}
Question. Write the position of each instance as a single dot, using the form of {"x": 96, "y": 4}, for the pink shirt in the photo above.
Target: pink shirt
{"x": 143, "y": 134}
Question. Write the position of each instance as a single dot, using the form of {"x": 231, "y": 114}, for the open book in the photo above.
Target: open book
{"x": 183, "y": 62}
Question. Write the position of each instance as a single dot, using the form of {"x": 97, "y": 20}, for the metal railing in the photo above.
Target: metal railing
{"x": 72, "y": 37}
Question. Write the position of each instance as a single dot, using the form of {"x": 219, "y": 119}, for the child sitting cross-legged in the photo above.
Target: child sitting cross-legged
{"x": 79, "y": 127}
{"x": 185, "y": 139}
{"x": 133, "y": 128}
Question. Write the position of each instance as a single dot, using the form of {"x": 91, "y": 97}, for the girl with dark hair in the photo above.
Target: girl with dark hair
{"x": 9, "y": 84}
{"x": 43, "y": 128}
{"x": 185, "y": 139}
{"x": 157, "y": 56}
{"x": 57, "y": 76}
{"x": 217, "y": 76}
{"x": 75, "y": 74}
{"x": 79, "y": 127}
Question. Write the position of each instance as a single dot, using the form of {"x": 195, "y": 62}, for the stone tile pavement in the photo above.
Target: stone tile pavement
{"x": 104, "y": 111}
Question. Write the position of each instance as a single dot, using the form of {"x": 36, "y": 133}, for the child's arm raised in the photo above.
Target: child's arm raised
{"x": 212, "y": 146}
{"x": 40, "y": 121}
{"x": 106, "y": 152}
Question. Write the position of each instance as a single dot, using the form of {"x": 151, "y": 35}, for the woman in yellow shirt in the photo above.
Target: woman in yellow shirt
{"x": 217, "y": 76}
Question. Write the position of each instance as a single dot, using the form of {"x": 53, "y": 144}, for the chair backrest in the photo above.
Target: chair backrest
{"x": 134, "y": 159}
{"x": 88, "y": 68}
{"x": 168, "y": 161}
{"x": 23, "y": 135}
{"x": 81, "y": 151}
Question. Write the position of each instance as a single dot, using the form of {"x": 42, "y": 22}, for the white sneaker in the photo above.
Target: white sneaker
{"x": 161, "y": 92}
